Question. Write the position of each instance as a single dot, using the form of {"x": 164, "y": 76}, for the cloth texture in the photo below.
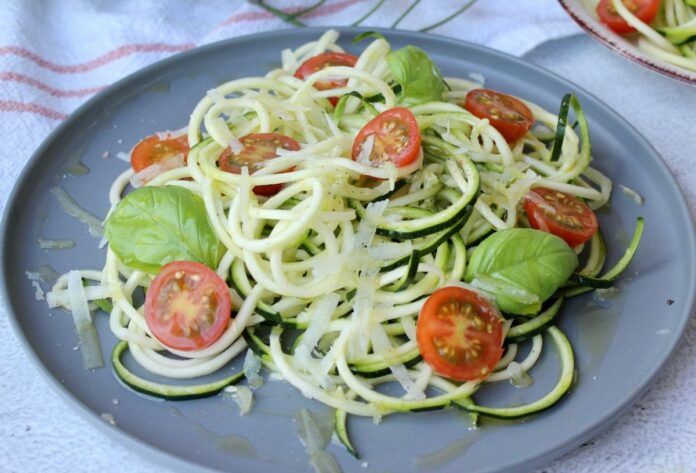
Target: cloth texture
{"x": 55, "y": 54}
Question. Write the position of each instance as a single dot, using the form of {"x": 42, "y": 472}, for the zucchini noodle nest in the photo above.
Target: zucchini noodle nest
{"x": 328, "y": 276}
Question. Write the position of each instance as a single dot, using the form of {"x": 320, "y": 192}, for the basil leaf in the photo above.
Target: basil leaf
{"x": 415, "y": 72}
{"x": 521, "y": 268}
{"x": 154, "y": 226}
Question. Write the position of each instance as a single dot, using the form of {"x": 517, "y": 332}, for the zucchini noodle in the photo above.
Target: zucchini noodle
{"x": 341, "y": 269}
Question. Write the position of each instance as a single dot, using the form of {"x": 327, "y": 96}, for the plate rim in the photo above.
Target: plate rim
{"x": 572, "y": 8}
{"x": 179, "y": 463}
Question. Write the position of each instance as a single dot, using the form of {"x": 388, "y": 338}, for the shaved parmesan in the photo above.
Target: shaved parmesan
{"x": 48, "y": 244}
{"x": 242, "y": 395}
{"x": 311, "y": 365}
{"x": 327, "y": 363}
{"x": 139, "y": 179}
{"x": 330, "y": 78}
{"x": 168, "y": 134}
{"x": 39, "y": 292}
{"x": 229, "y": 138}
{"x": 236, "y": 146}
{"x": 366, "y": 150}
{"x": 382, "y": 346}
{"x": 367, "y": 228}
{"x": 519, "y": 189}
{"x": 363, "y": 305}
{"x": 541, "y": 202}
{"x": 252, "y": 366}
{"x": 603, "y": 297}
{"x": 518, "y": 377}
{"x": 89, "y": 341}
{"x": 323, "y": 309}
{"x": 327, "y": 265}
{"x": 43, "y": 274}
{"x": 315, "y": 437}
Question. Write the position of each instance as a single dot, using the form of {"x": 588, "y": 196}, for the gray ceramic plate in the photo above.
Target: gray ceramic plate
{"x": 620, "y": 346}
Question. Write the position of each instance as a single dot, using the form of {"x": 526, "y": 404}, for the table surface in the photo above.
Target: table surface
{"x": 657, "y": 435}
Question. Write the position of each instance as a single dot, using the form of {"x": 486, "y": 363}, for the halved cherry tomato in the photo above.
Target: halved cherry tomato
{"x": 510, "y": 116}
{"x": 562, "y": 214}
{"x": 187, "y": 306}
{"x": 154, "y": 149}
{"x": 644, "y": 10}
{"x": 258, "y": 147}
{"x": 396, "y": 138}
{"x": 322, "y": 61}
{"x": 460, "y": 334}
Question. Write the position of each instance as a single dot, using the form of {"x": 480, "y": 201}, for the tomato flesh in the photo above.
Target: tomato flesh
{"x": 507, "y": 114}
{"x": 322, "y": 61}
{"x": 257, "y": 148}
{"x": 155, "y": 149}
{"x": 562, "y": 214}
{"x": 395, "y": 139}
{"x": 187, "y": 306}
{"x": 644, "y": 10}
{"x": 460, "y": 334}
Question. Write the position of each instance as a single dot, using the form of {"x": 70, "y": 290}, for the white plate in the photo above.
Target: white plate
{"x": 584, "y": 15}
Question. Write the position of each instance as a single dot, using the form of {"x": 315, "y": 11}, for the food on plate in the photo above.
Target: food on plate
{"x": 664, "y": 29}
{"x": 351, "y": 221}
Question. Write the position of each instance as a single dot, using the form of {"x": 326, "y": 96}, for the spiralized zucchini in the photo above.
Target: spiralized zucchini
{"x": 671, "y": 37}
{"x": 327, "y": 258}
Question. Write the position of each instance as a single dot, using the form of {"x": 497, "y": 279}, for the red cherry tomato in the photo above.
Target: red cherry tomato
{"x": 460, "y": 334}
{"x": 258, "y": 147}
{"x": 562, "y": 214}
{"x": 154, "y": 149}
{"x": 187, "y": 306}
{"x": 322, "y": 61}
{"x": 644, "y": 10}
{"x": 510, "y": 116}
{"x": 395, "y": 138}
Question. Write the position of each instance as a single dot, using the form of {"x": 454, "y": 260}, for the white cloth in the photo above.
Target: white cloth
{"x": 54, "y": 54}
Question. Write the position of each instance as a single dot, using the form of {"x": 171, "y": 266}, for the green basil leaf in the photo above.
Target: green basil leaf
{"x": 419, "y": 78}
{"x": 153, "y": 226}
{"x": 521, "y": 268}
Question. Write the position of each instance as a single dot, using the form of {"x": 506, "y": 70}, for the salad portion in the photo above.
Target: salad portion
{"x": 664, "y": 29}
{"x": 348, "y": 222}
